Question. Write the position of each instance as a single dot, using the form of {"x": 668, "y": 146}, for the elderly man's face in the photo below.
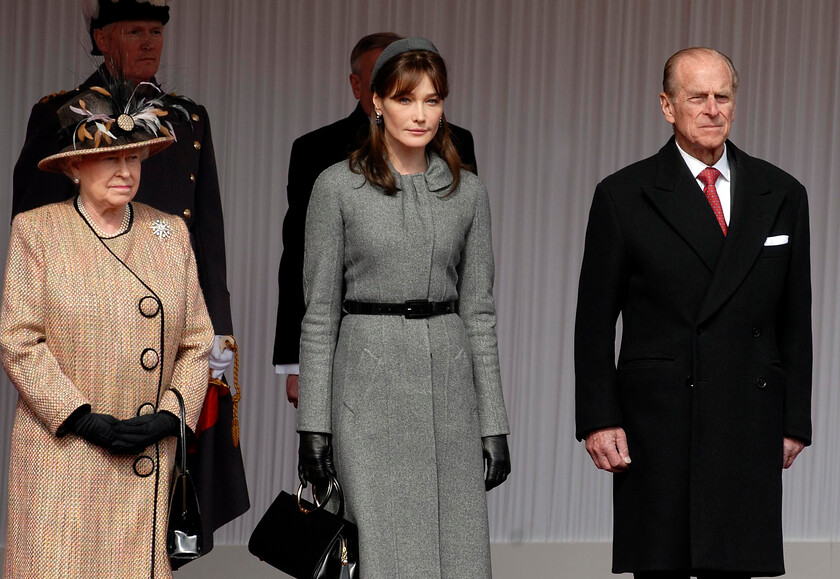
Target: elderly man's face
{"x": 132, "y": 48}
{"x": 361, "y": 82}
{"x": 703, "y": 108}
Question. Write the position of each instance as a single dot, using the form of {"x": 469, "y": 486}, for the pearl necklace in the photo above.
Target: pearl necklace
{"x": 123, "y": 226}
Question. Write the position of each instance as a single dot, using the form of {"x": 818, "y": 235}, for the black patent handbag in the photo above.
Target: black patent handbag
{"x": 184, "y": 535}
{"x": 307, "y": 541}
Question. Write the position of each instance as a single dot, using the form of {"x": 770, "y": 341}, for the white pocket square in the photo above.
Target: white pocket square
{"x": 776, "y": 240}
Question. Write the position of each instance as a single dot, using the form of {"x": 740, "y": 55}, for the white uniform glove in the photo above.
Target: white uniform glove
{"x": 220, "y": 356}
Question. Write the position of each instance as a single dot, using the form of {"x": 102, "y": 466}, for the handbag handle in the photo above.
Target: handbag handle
{"x": 182, "y": 439}
{"x": 332, "y": 485}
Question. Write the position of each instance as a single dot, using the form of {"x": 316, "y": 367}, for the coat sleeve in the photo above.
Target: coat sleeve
{"x": 601, "y": 294}
{"x": 323, "y": 275}
{"x": 209, "y": 234}
{"x": 290, "y": 304}
{"x": 32, "y": 187}
{"x": 32, "y": 368}
{"x": 191, "y": 372}
{"x": 477, "y": 308}
{"x": 794, "y": 333}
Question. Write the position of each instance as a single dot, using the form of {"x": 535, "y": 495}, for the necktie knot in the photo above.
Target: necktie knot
{"x": 709, "y": 176}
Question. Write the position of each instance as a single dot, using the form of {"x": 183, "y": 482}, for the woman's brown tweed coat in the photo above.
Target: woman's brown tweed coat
{"x": 113, "y": 323}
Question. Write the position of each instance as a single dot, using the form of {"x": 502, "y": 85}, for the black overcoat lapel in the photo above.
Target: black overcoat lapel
{"x": 679, "y": 200}
{"x": 754, "y": 210}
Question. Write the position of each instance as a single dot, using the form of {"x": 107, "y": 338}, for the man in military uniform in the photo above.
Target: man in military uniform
{"x": 182, "y": 181}
{"x": 311, "y": 154}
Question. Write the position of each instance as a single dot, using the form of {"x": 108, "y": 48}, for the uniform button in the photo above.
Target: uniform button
{"x": 149, "y": 359}
{"x": 192, "y": 178}
{"x": 761, "y": 382}
{"x": 187, "y": 213}
{"x": 144, "y": 466}
{"x": 149, "y": 306}
{"x": 756, "y": 332}
{"x": 197, "y": 145}
{"x": 699, "y": 330}
{"x": 194, "y": 117}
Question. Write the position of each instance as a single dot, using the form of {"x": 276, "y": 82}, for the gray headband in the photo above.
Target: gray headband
{"x": 398, "y": 47}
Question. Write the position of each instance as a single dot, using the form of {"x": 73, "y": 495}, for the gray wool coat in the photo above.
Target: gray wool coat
{"x": 406, "y": 400}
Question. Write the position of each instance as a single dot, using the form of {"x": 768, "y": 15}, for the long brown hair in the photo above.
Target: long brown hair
{"x": 401, "y": 75}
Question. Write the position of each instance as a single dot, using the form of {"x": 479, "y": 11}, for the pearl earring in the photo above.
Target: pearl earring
{"x": 378, "y": 118}
{"x": 76, "y": 180}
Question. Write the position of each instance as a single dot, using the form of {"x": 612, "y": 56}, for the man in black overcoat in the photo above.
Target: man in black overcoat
{"x": 182, "y": 180}
{"x": 704, "y": 251}
{"x": 311, "y": 154}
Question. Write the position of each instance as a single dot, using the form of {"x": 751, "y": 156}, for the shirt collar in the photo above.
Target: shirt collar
{"x": 696, "y": 166}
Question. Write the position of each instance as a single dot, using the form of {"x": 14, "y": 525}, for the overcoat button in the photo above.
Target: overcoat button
{"x": 699, "y": 330}
{"x": 187, "y": 213}
{"x": 149, "y": 359}
{"x": 149, "y": 306}
{"x": 756, "y": 332}
{"x": 192, "y": 177}
{"x": 761, "y": 382}
{"x": 144, "y": 466}
{"x": 197, "y": 145}
{"x": 194, "y": 117}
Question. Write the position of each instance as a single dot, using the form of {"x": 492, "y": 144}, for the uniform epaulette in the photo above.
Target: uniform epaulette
{"x": 50, "y": 97}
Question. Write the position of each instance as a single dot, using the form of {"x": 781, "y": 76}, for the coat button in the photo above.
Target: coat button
{"x": 761, "y": 382}
{"x": 187, "y": 213}
{"x": 194, "y": 117}
{"x": 149, "y": 306}
{"x": 192, "y": 178}
{"x": 197, "y": 145}
{"x": 756, "y": 332}
{"x": 699, "y": 330}
{"x": 144, "y": 466}
{"x": 689, "y": 381}
{"x": 149, "y": 359}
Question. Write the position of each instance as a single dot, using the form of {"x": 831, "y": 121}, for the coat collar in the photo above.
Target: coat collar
{"x": 438, "y": 177}
{"x": 755, "y": 204}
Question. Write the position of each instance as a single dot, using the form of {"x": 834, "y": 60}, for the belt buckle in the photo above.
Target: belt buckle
{"x": 418, "y": 309}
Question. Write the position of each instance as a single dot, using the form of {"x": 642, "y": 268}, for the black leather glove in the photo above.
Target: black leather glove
{"x": 315, "y": 464}
{"x": 497, "y": 455}
{"x": 97, "y": 429}
{"x": 132, "y": 435}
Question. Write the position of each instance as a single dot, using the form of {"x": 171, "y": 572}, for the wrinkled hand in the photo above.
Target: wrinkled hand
{"x": 97, "y": 429}
{"x": 134, "y": 434}
{"x": 792, "y": 448}
{"x": 497, "y": 455}
{"x": 292, "y": 389}
{"x": 315, "y": 463}
{"x": 220, "y": 356}
{"x": 608, "y": 449}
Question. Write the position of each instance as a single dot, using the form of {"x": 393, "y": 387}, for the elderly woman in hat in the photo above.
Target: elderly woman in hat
{"x": 400, "y": 390}
{"x": 102, "y": 318}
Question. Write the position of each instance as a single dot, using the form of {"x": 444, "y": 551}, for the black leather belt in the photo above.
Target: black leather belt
{"x": 412, "y": 309}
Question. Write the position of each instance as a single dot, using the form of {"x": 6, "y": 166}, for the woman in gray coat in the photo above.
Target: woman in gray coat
{"x": 400, "y": 393}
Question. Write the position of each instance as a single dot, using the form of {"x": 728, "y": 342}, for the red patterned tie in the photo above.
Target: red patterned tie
{"x": 709, "y": 177}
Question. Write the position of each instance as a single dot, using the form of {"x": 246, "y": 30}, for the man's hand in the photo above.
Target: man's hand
{"x": 292, "y": 389}
{"x": 608, "y": 449}
{"x": 792, "y": 449}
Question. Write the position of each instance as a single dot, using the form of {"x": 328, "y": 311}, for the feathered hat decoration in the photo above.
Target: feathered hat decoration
{"x": 122, "y": 116}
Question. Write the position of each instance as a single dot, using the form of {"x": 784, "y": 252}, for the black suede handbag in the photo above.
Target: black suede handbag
{"x": 307, "y": 541}
{"x": 184, "y": 536}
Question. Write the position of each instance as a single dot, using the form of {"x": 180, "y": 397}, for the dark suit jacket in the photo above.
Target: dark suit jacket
{"x": 715, "y": 361}
{"x": 311, "y": 154}
{"x": 181, "y": 180}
